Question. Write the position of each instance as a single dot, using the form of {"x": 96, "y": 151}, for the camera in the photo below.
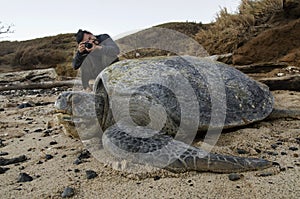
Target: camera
{"x": 88, "y": 45}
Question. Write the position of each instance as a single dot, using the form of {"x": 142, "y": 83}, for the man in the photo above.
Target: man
{"x": 94, "y": 53}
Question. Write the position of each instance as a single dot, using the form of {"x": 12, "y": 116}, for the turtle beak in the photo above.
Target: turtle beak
{"x": 63, "y": 104}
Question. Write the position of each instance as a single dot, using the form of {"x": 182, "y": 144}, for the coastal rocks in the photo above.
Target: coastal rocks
{"x": 24, "y": 177}
{"x": 235, "y": 176}
{"x": 68, "y": 192}
{"x": 3, "y": 170}
{"x": 4, "y": 161}
{"x": 90, "y": 174}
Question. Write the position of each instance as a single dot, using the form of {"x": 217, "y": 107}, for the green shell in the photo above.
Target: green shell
{"x": 189, "y": 90}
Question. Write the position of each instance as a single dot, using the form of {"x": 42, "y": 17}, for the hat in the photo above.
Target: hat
{"x": 79, "y": 35}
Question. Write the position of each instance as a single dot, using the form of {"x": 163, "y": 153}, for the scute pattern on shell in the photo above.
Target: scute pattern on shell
{"x": 245, "y": 100}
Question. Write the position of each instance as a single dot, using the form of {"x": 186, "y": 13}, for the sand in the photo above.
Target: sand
{"x": 34, "y": 132}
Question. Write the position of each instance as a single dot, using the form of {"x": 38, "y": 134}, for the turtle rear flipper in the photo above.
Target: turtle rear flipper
{"x": 145, "y": 146}
{"x": 284, "y": 113}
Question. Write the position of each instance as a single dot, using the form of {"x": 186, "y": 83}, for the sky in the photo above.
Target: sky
{"x": 37, "y": 18}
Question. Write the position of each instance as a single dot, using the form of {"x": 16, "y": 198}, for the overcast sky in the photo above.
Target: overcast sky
{"x": 37, "y": 18}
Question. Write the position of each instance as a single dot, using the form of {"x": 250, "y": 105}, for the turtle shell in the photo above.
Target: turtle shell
{"x": 183, "y": 91}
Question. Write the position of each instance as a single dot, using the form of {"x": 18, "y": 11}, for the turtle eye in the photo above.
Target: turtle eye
{"x": 76, "y": 99}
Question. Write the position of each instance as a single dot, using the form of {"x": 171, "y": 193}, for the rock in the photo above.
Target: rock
{"x": 53, "y": 143}
{"x": 234, "y": 176}
{"x": 265, "y": 174}
{"x": 68, "y": 192}
{"x": 293, "y": 148}
{"x": 36, "y": 75}
{"x": 4, "y": 161}
{"x": 48, "y": 157}
{"x": 38, "y": 130}
{"x": 85, "y": 154}
{"x": 3, "y": 153}
{"x": 3, "y": 170}
{"x": 1, "y": 143}
{"x": 273, "y": 153}
{"x": 283, "y": 153}
{"x": 91, "y": 174}
{"x": 24, "y": 177}
{"x": 257, "y": 150}
{"x": 46, "y": 133}
{"x": 25, "y": 105}
{"x": 77, "y": 161}
{"x": 241, "y": 151}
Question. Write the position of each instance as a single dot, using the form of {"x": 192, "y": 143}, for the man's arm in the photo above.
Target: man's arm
{"x": 78, "y": 59}
{"x": 109, "y": 47}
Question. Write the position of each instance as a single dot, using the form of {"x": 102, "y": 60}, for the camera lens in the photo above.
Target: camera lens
{"x": 88, "y": 45}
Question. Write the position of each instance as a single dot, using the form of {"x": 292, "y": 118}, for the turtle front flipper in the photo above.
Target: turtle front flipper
{"x": 145, "y": 146}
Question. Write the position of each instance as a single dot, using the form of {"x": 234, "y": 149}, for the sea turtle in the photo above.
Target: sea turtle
{"x": 150, "y": 110}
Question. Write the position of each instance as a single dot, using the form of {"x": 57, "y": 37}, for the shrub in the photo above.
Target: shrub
{"x": 231, "y": 31}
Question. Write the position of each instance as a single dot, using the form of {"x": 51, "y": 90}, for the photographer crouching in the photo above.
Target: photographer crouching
{"x": 94, "y": 53}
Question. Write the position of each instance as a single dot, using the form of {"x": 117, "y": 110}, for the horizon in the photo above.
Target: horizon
{"x": 44, "y": 19}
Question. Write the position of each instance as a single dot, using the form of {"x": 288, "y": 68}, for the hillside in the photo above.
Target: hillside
{"x": 261, "y": 31}
{"x": 39, "y": 158}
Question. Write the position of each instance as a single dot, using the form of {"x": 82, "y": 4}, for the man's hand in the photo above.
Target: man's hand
{"x": 82, "y": 48}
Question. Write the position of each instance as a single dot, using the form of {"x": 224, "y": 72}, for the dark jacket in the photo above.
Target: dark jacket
{"x": 109, "y": 48}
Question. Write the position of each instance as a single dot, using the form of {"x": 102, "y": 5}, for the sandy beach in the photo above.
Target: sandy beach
{"x": 51, "y": 158}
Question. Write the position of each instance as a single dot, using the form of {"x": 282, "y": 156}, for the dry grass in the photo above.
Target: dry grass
{"x": 231, "y": 31}
{"x": 47, "y": 52}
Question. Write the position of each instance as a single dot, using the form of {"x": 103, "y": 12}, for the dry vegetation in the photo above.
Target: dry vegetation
{"x": 49, "y": 52}
{"x": 229, "y": 33}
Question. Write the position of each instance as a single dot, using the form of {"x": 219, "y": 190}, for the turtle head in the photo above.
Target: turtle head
{"x": 76, "y": 104}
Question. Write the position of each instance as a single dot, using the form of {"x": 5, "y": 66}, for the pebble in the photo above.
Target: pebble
{"x": 234, "y": 176}
{"x": 296, "y": 155}
{"x": 3, "y": 170}
{"x": 43, "y": 103}
{"x": 293, "y": 148}
{"x": 26, "y": 130}
{"x": 279, "y": 143}
{"x": 265, "y": 174}
{"x": 77, "y": 161}
{"x": 90, "y": 174}
{"x": 25, "y": 105}
{"x": 38, "y": 130}
{"x": 1, "y": 109}
{"x": 274, "y": 153}
{"x": 24, "y": 177}
{"x": 1, "y": 143}
{"x": 4, "y": 161}
{"x": 242, "y": 151}
{"x": 85, "y": 154}
{"x": 156, "y": 178}
{"x": 68, "y": 192}
{"x": 3, "y": 153}
{"x": 53, "y": 143}
{"x": 258, "y": 150}
{"x": 48, "y": 157}
{"x": 274, "y": 146}
{"x": 45, "y": 134}
{"x": 283, "y": 153}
